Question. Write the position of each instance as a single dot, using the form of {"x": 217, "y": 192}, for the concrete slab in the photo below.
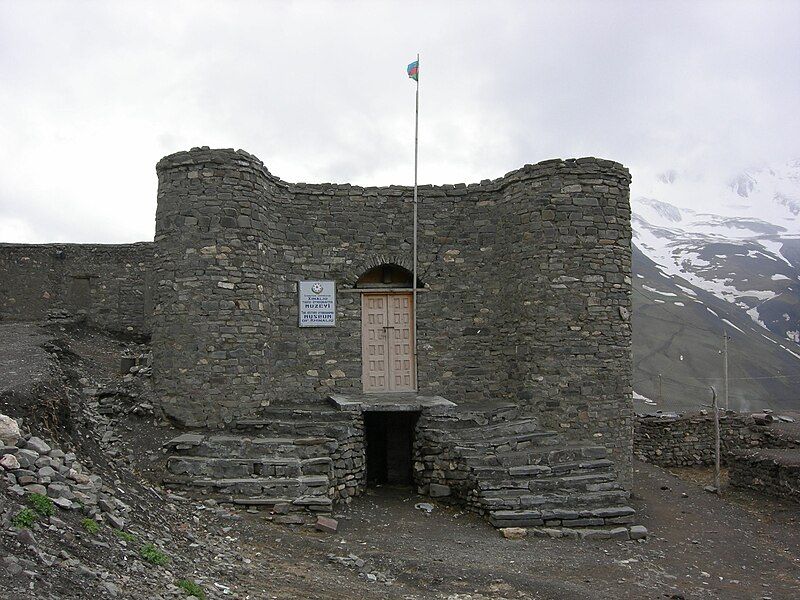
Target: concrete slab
{"x": 400, "y": 402}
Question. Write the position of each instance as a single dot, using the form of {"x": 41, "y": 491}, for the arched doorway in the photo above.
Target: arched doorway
{"x": 387, "y": 330}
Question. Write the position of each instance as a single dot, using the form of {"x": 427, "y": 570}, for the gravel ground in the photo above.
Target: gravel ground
{"x": 700, "y": 546}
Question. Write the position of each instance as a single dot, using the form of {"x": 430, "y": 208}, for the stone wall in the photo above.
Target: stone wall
{"x": 527, "y": 289}
{"x": 109, "y": 284}
{"x": 349, "y": 462}
{"x": 689, "y": 440}
{"x": 772, "y": 472}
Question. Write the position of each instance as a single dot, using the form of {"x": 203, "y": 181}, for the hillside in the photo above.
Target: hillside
{"x": 717, "y": 258}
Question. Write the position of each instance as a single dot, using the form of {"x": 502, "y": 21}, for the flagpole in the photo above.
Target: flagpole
{"x": 414, "y": 283}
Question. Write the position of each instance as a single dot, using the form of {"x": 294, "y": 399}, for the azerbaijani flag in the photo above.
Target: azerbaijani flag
{"x": 413, "y": 70}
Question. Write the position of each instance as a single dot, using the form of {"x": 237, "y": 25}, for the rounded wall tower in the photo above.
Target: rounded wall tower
{"x": 211, "y": 286}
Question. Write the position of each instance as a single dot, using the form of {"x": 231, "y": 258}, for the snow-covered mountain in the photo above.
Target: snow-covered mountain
{"x": 732, "y": 248}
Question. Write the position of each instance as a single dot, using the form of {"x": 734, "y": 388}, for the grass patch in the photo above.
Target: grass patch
{"x": 41, "y": 504}
{"x": 124, "y": 535}
{"x": 153, "y": 555}
{"x": 90, "y": 525}
{"x": 24, "y": 518}
{"x": 191, "y": 588}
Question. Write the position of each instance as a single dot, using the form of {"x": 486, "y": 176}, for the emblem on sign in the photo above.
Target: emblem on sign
{"x": 317, "y": 288}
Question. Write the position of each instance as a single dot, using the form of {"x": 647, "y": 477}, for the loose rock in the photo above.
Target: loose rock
{"x": 9, "y": 430}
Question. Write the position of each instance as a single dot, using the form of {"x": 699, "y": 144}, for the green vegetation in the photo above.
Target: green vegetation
{"x": 90, "y": 525}
{"x": 24, "y": 518}
{"x": 41, "y": 504}
{"x": 124, "y": 535}
{"x": 153, "y": 555}
{"x": 191, "y": 588}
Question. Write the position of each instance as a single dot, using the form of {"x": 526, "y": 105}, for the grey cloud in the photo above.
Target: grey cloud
{"x": 93, "y": 94}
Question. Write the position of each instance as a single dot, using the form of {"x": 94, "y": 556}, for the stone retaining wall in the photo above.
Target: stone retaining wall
{"x": 688, "y": 440}
{"x": 108, "y": 284}
{"x": 349, "y": 469}
{"x": 439, "y": 468}
{"x": 773, "y": 472}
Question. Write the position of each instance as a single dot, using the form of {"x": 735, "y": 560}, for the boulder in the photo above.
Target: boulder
{"x": 514, "y": 533}
{"x": 9, "y": 430}
{"x": 38, "y": 445}
{"x": 35, "y": 488}
{"x": 27, "y": 458}
{"x": 9, "y": 462}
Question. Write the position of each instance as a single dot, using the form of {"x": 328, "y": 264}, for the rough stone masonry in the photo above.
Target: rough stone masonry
{"x": 526, "y": 277}
{"x": 525, "y": 291}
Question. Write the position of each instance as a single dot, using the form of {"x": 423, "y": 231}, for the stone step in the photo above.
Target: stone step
{"x": 255, "y": 487}
{"x": 469, "y": 419}
{"x": 508, "y": 443}
{"x": 539, "y": 458}
{"x": 319, "y": 504}
{"x": 338, "y": 430}
{"x": 517, "y": 500}
{"x": 594, "y": 482}
{"x": 238, "y": 446}
{"x": 504, "y": 429}
{"x": 589, "y": 517}
{"x": 222, "y": 468}
{"x": 321, "y": 414}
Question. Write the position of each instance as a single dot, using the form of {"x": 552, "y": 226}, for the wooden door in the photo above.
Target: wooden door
{"x": 387, "y": 342}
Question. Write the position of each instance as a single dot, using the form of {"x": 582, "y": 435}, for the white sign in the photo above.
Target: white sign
{"x": 317, "y": 303}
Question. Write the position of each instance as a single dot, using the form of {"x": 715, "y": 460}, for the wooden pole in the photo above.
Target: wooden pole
{"x": 716, "y": 439}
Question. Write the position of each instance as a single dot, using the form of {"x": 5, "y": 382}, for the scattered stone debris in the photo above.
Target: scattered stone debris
{"x": 326, "y": 524}
{"x": 354, "y": 562}
{"x": 514, "y": 533}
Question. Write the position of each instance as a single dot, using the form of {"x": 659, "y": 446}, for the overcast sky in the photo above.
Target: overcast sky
{"x": 92, "y": 94}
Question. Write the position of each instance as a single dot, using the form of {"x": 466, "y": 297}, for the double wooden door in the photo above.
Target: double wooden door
{"x": 387, "y": 342}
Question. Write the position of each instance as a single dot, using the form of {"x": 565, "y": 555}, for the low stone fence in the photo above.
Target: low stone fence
{"x": 688, "y": 440}
{"x": 773, "y": 472}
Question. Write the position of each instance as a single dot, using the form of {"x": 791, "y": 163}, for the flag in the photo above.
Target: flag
{"x": 413, "y": 70}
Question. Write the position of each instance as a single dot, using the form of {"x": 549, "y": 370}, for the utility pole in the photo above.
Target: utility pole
{"x": 725, "y": 365}
{"x": 660, "y": 391}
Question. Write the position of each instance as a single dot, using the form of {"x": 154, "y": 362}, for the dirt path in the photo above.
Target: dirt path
{"x": 700, "y": 547}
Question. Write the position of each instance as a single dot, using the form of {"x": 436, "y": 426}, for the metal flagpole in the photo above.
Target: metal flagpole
{"x": 414, "y": 282}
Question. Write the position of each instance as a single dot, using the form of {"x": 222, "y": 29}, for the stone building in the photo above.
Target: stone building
{"x": 517, "y": 403}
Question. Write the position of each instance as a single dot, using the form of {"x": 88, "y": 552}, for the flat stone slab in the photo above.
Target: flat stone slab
{"x": 186, "y": 440}
{"x": 391, "y": 402}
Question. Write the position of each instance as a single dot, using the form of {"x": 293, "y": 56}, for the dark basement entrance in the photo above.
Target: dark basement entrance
{"x": 390, "y": 441}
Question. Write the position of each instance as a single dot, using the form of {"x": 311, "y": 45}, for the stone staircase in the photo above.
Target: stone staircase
{"x": 293, "y": 462}
{"x": 505, "y": 466}
{"x": 299, "y": 462}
